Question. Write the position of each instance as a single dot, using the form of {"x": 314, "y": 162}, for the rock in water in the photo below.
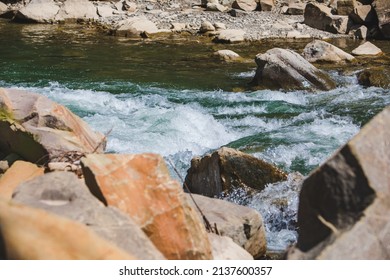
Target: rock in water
{"x": 140, "y": 186}
{"x": 135, "y": 27}
{"x": 227, "y": 55}
{"x": 242, "y": 224}
{"x": 227, "y": 169}
{"x": 41, "y": 11}
{"x": 27, "y": 233}
{"x": 38, "y": 129}
{"x": 322, "y": 51}
{"x": 62, "y": 193}
{"x": 344, "y": 210}
{"x": 367, "y": 49}
{"x": 285, "y": 69}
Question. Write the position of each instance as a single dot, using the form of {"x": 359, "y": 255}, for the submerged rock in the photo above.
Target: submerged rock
{"x": 322, "y": 51}
{"x": 227, "y": 55}
{"x": 62, "y": 193}
{"x": 141, "y": 187}
{"x": 367, "y": 49}
{"x": 227, "y": 169}
{"x": 285, "y": 69}
{"x": 242, "y": 224}
{"x": 28, "y": 233}
{"x": 344, "y": 204}
{"x": 38, "y": 129}
{"x": 375, "y": 77}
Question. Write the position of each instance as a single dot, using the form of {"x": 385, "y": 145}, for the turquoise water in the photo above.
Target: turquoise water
{"x": 175, "y": 99}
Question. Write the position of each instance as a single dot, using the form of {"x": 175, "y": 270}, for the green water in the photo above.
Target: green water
{"x": 174, "y": 98}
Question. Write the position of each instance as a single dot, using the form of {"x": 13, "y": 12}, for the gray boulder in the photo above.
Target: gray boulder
{"x": 227, "y": 169}
{"x": 135, "y": 27}
{"x": 344, "y": 210}
{"x": 285, "y": 69}
{"x": 230, "y": 36}
{"x": 40, "y": 11}
{"x": 317, "y": 51}
{"x": 62, "y": 193}
{"x": 77, "y": 10}
{"x": 242, "y": 224}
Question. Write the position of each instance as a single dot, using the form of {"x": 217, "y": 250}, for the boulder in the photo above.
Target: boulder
{"x": 320, "y": 17}
{"x": 3, "y": 8}
{"x": 367, "y": 48}
{"x": 267, "y": 5}
{"x": 382, "y": 8}
{"x": 374, "y": 77}
{"x": 227, "y": 169}
{"x": 245, "y": 5}
{"x": 40, "y": 11}
{"x": 104, "y": 10}
{"x": 224, "y": 248}
{"x": 77, "y": 10}
{"x": 38, "y": 129}
{"x": 360, "y": 32}
{"x": 135, "y": 27}
{"x": 296, "y": 8}
{"x": 230, "y": 36}
{"x": 219, "y": 26}
{"x": 242, "y": 224}
{"x": 227, "y": 55}
{"x": 344, "y": 204}
{"x": 364, "y": 14}
{"x": 34, "y": 234}
{"x": 206, "y": 26}
{"x": 285, "y": 69}
{"x": 141, "y": 187}
{"x": 20, "y": 171}
{"x": 62, "y": 193}
{"x": 178, "y": 26}
{"x": 345, "y": 7}
{"x": 321, "y": 51}
{"x": 216, "y": 7}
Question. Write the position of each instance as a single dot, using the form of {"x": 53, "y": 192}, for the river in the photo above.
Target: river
{"x": 175, "y": 99}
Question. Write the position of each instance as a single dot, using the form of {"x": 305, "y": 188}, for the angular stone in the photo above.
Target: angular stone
{"x": 367, "y": 49}
{"x": 219, "y": 26}
{"x": 136, "y": 27}
{"x": 242, "y": 224}
{"x": 364, "y": 14}
{"x": 216, "y": 7}
{"x": 231, "y": 36}
{"x": 267, "y": 5}
{"x": 206, "y": 26}
{"x": 224, "y": 248}
{"x": 227, "y": 55}
{"x": 140, "y": 186}
{"x": 177, "y": 26}
{"x": 77, "y": 10}
{"x": 41, "y": 11}
{"x": 245, "y": 5}
{"x": 33, "y": 234}
{"x": 285, "y": 69}
{"x": 227, "y": 169}
{"x": 62, "y": 193}
{"x": 20, "y": 171}
{"x": 318, "y": 50}
{"x": 39, "y": 129}
{"x": 344, "y": 204}
{"x": 105, "y": 10}
{"x": 359, "y": 32}
{"x": 320, "y": 17}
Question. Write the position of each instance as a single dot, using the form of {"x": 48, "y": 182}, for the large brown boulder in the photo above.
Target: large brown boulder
{"x": 39, "y": 129}
{"x": 320, "y": 17}
{"x": 242, "y": 224}
{"x": 382, "y": 8}
{"x": 141, "y": 187}
{"x": 344, "y": 210}
{"x": 27, "y": 233}
{"x": 62, "y": 193}
{"x": 227, "y": 169}
{"x": 285, "y": 69}
{"x": 321, "y": 51}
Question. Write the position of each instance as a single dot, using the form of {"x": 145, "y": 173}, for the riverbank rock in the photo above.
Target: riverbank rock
{"x": 227, "y": 55}
{"x": 321, "y": 51}
{"x": 382, "y": 8}
{"x": 295, "y": 8}
{"x": 3, "y": 8}
{"x": 345, "y": 7}
{"x": 62, "y": 193}
{"x": 285, "y": 69}
{"x": 227, "y": 169}
{"x": 363, "y": 14}
{"x": 367, "y": 49}
{"x": 224, "y": 248}
{"x": 230, "y": 36}
{"x": 245, "y": 5}
{"x": 38, "y": 129}
{"x": 320, "y": 17}
{"x": 33, "y": 234}
{"x": 140, "y": 186}
{"x": 344, "y": 204}
{"x": 135, "y": 27}
{"x": 20, "y": 171}
{"x": 77, "y": 10}
{"x": 40, "y": 11}
{"x": 267, "y": 5}
{"x": 242, "y": 224}
{"x": 374, "y": 77}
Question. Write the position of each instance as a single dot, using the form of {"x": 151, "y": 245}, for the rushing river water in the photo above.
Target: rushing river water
{"x": 175, "y": 99}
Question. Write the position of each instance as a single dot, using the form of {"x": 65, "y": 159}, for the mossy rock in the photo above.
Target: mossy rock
{"x": 374, "y": 77}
